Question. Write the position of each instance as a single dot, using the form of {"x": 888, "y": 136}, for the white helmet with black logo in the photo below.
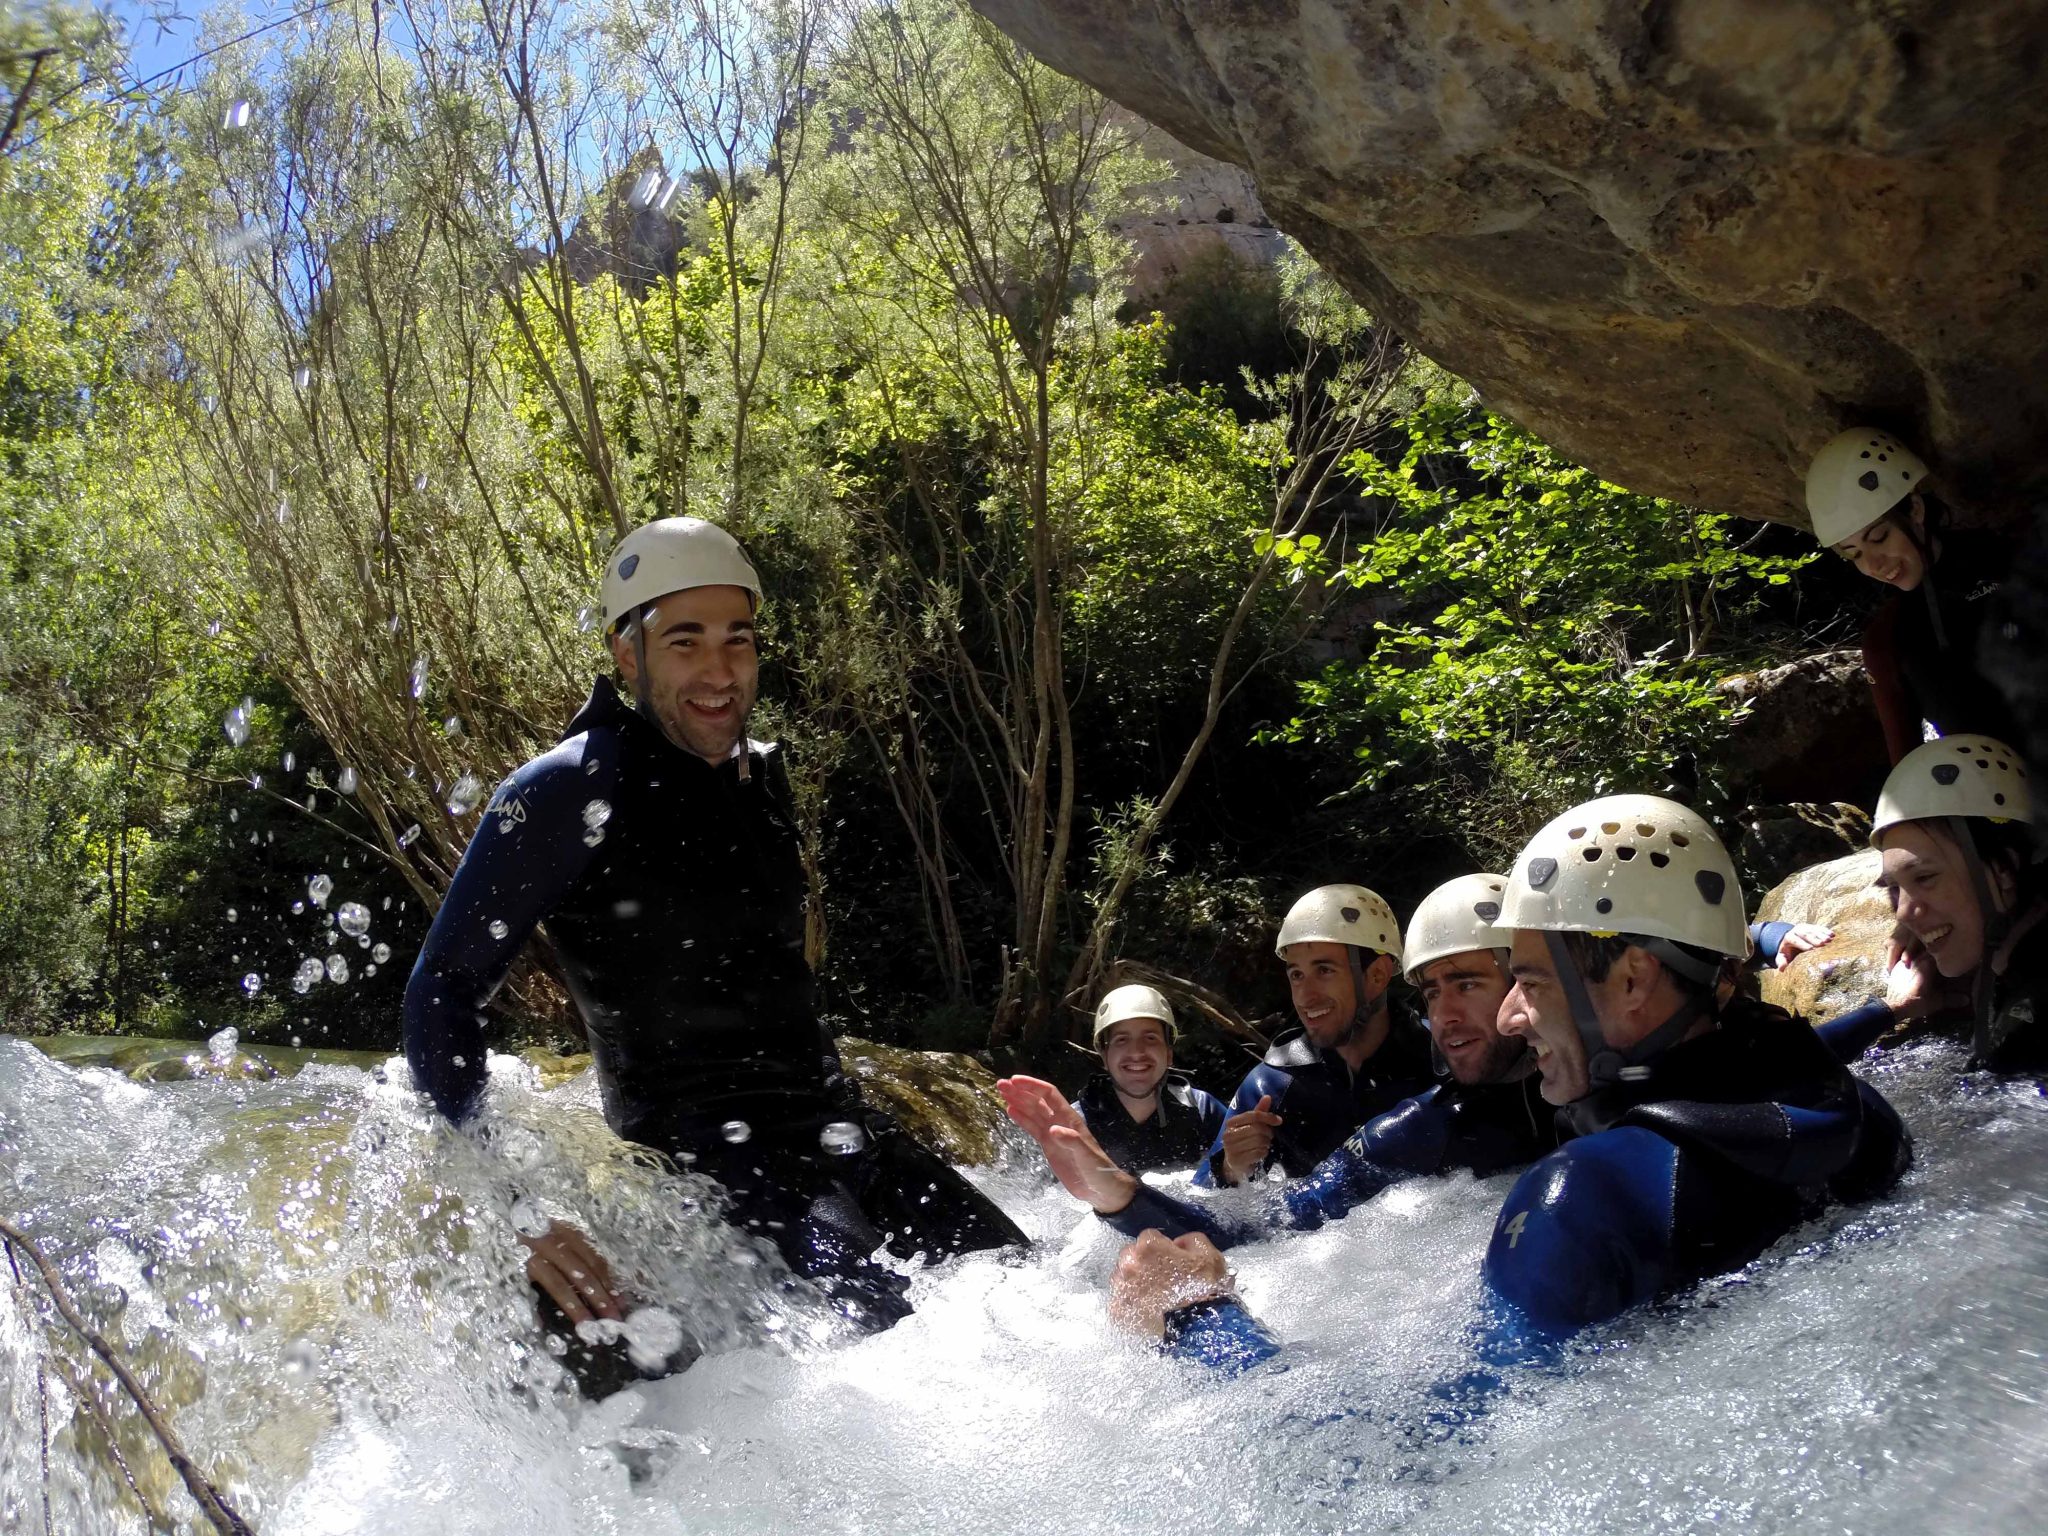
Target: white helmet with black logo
{"x": 671, "y": 555}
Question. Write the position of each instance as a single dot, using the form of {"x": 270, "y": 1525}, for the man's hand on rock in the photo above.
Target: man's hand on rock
{"x": 1076, "y": 1157}
{"x": 1154, "y": 1275}
{"x": 1248, "y": 1141}
{"x": 562, "y": 1263}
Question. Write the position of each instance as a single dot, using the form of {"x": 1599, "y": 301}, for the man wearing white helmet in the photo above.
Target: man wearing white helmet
{"x": 657, "y": 844}
{"x": 1489, "y": 1116}
{"x": 1866, "y": 494}
{"x": 1356, "y": 1055}
{"x": 1142, "y": 1116}
{"x": 1702, "y": 1127}
{"x": 1955, "y": 824}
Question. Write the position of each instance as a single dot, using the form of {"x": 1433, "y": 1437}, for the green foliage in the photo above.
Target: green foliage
{"x": 1544, "y": 635}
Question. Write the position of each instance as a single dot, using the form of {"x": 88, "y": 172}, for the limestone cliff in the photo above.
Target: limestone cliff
{"x": 1684, "y": 240}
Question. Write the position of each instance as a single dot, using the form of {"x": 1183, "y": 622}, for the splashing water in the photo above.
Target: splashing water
{"x": 345, "y": 781}
{"x": 337, "y": 969}
{"x": 381, "y": 953}
{"x": 252, "y": 983}
{"x": 498, "y": 928}
{"x": 417, "y": 678}
{"x": 336, "y": 1267}
{"x": 309, "y": 975}
{"x": 452, "y": 726}
{"x": 465, "y": 795}
{"x": 236, "y": 117}
{"x": 596, "y": 812}
{"x": 354, "y": 919}
{"x": 302, "y": 377}
{"x": 842, "y": 1138}
{"x": 586, "y": 619}
{"x": 237, "y": 722}
{"x": 222, "y": 1046}
{"x": 319, "y": 888}
{"x": 736, "y": 1131}
{"x": 409, "y": 836}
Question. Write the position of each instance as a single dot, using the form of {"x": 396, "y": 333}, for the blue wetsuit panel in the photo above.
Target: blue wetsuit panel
{"x": 1221, "y": 1335}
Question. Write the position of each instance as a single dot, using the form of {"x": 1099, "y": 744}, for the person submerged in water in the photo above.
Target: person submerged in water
{"x": 1490, "y": 1114}
{"x": 1699, "y": 1127}
{"x": 657, "y": 844}
{"x": 1357, "y": 1054}
{"x": 1143, "y": 1115}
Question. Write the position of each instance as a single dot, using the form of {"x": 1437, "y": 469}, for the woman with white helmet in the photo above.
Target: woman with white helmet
{"x": 1955, "y": 825}
{"x": 1142, "y": 1114}
{"x": 1867, "y": 497}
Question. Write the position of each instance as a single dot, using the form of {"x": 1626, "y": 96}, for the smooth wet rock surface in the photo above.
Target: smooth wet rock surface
{"x": 1685, "y": 242}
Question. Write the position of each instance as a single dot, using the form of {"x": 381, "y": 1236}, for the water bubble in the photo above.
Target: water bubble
{"x": 362, "y": 941}
{"x": 736, "y": 1131}
{"x": 337, "y": 968}
{"x": 213, "y": 630}
{"x": 452, "y": 725}
{"x": 236, "y": 117}
{"x": 652, "y": 1336}
{"x": 419, "y": 482}
{"x": 391, "y": 624}
{"x": 302, "y": 377}
{"x": 419, "y": 676}
{"x": 842, "y": 1138}
{"x": 297, "y": 906}
{"x": 233, "y": 915}
{"x": 333, "y": 938}
{"x": 234, "y": 814}
{"x": 465, "y": 795}
{"x": 409, "y": 835}
{"x": 528, "y": 1219}
{"x": 596, "y": 812}
{"x": 593, "y": 837}
{"x": 600, "y": 1330}
{"x": 237, "y": 723}
{"x": 646, "y": 189}
{"x": 319, "y": 888}
{"x": 291, "y": 761}
{"x": 354, "y": 918}
{"x": 284, "y": 510}
{"x": 301, "y": 1360}
{"x": 221, "y": 1047}
{"x": 307, "y": 976}
{"x": 498, "y": 928}
{"x": 209, "y": 403}
{"x": 345, "y": 781}
{"x": 252, "y": 983}
{"x": 370, "y": 969}
{"x": 586, "y": 619}
{"x": 381, "y": 953}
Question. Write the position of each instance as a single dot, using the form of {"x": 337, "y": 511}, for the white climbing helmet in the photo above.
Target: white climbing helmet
{"x": 1861, "y": 475}
{"x": 1955, "y": 776}
{"x": 1630, "y": 864}
{"x": 1458, "y": 916}
{"x": 669, "y": 555}
{"x": 1341, "y": 914}
{"x": 1135, "y": 1001}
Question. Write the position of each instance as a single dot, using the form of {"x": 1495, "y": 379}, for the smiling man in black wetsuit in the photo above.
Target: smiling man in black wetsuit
{"x": 657, "y": 844}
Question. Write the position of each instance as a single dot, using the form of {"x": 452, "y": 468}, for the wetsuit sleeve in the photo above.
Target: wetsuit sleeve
{"x": 1257, "y": 1084}
{"x": 1584, "y": 1235}
{"x": 1408, "y": 1139}
{"x": 1766, "y": 937}
{"x": 527, "y": 852}
{"x": 1219, "y": 1334}
{"x": 1848, "y": 1035}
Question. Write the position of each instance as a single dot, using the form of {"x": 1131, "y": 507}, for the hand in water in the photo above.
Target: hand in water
{"x": 561, "y": 1262}
{"x": 1076, "y": 1157}
{"x": 1799, "y": 939}
{"x": 1248, "y": 1140}
{"x": 1154, "y": 1275}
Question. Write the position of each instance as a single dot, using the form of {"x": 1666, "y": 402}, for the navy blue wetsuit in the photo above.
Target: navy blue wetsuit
{"x": 1176, "y": 1135}
{"x": 1320, "y": 1100}
{"x": 1732, "y": 1139}
{"x": 673, "y": 897}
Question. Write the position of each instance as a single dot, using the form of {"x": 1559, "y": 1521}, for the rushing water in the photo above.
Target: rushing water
{"x": 321, "y": 1286}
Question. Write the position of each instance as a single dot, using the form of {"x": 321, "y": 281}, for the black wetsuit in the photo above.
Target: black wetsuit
{"x": 1320, "y": 1100}
{"x": 673, "y": 896}
{"x": 1921, "y": 672}
{"x": 1176, "y": 1135}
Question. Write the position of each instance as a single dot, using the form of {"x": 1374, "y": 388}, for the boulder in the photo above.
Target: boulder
{"x": 1774, "y": 842}
{"x": 1808, "y": 731}
{"x": 947, "y": 1101}
{"x": 1843, "y": 895}
{"x": 1686, "y": 241}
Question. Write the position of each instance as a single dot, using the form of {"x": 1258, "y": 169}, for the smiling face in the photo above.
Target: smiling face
{"x": 1928, "y": 883}
{"x": 1462, "y": 995}
{"x": 703, "y": 670}
{"x": 1535, "y": 1010}
{"x": 1137, "y": 1054}
{"x": 1325, "y": 995}
{"x": 1884, "y": 553}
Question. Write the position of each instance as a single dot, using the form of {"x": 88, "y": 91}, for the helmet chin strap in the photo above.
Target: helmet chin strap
{"x": 1366, "y": 1007}
{"x": 1607, "y": 1064}
{"x": 1928, "y": 591}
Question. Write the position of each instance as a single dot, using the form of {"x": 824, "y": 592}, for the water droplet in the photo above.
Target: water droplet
{"x": 213, "y": 630}
{"x": 646, "y": 189}
{"x": 221, "y": 1047}
{"x": 381, "y": 953}
{"x": 370, "y": 969}
{"x": 391, "y": 624}
{"x": 236, "y": 117}
{"x": 308, "y": 975}
{"x": 596, "y": 812}
{"x": 842, "y": 1138}
{"x": 297, "y": 906}
{"x": 419, "y": 676}
{"x": 586, "y": 619}
{"x": 209, "y": 403}
{"x": 626, "y": 908}
{"x": 301, "y": 1361}
{"x": 319, "y": 888}
{"x": 354, "y": 918}
{"x": 302, "y": 377}
{"x": 528, "y": 1219}
{"x": 452, "y": 725}
{"x": 362, "y": 941}
{"x": 736, "y": 1131}
{"x": 333, "y": 938}
{"x": 498, "y": 928}
{"x": 419, "y": 482}
{"x": 337, "y": 968}
{"x": 407, "y": 837}
{"x": 652, "y": 1336}
{"x": 284, "y": 510}
{"x": 252, "y": 983}
{"x": 345, "y": 781}
{"x": 233, "y": 915}
{"x": 464, "y": 796}
{"x": 593, "y": 837}
{"x": 237, "y": 723}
